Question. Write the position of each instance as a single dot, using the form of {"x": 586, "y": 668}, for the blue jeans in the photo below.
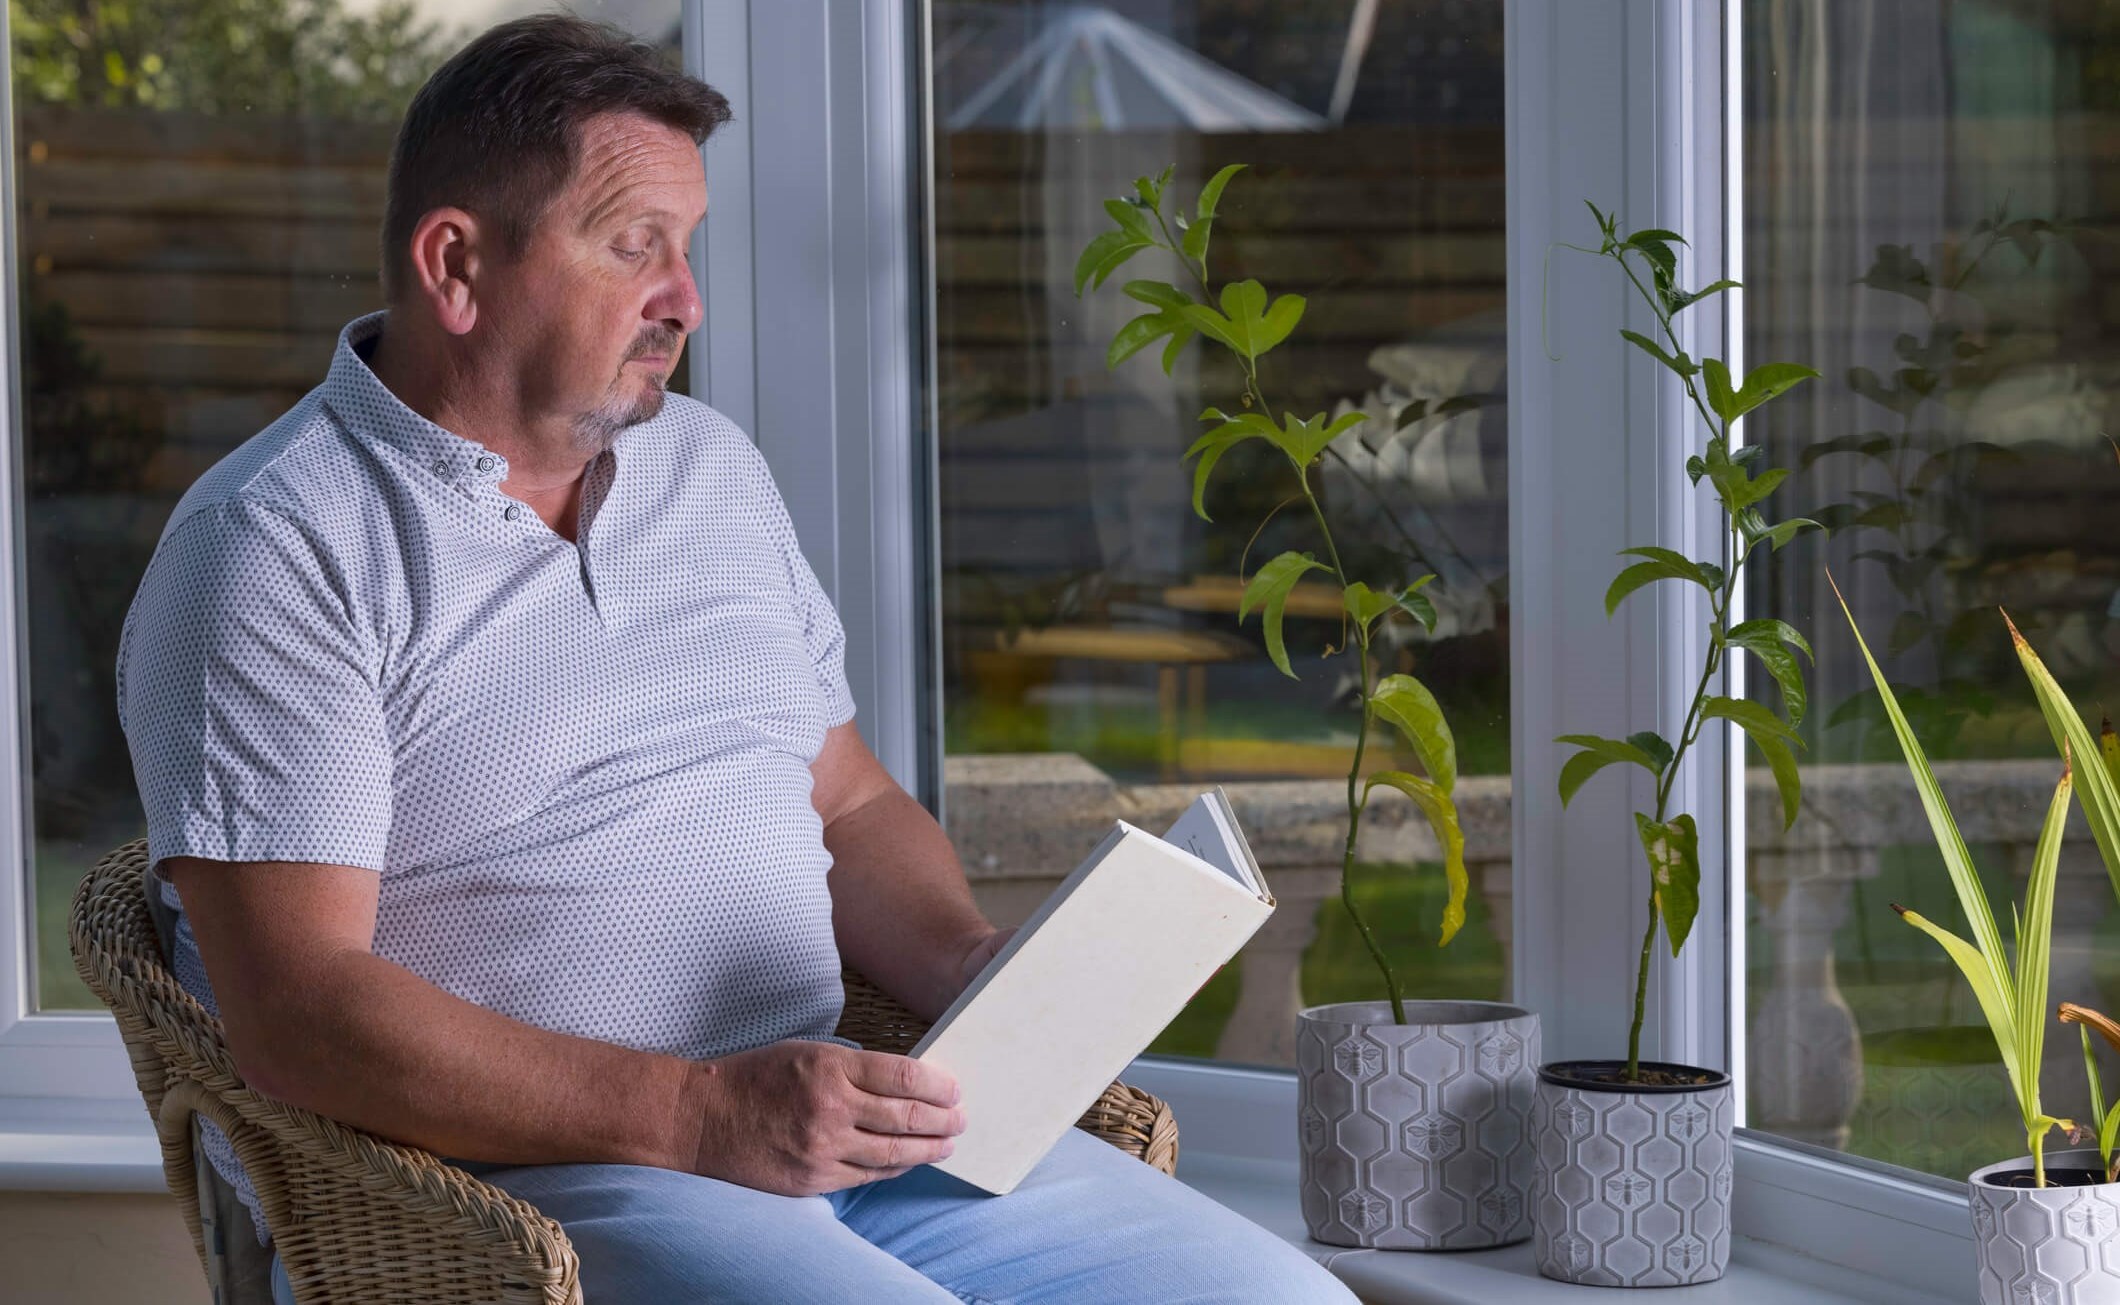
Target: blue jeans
{"x": 1089, "y": 1226}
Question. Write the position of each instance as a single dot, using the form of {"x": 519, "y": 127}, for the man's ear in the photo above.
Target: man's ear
{"x": 446, "y": 259}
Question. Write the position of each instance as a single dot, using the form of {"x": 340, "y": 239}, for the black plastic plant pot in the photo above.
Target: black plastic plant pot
{"x": 2057, "y": 1245}
{"x": 1633, "y": 1181}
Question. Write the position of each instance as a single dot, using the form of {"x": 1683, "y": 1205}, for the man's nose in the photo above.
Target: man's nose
{"x": 677, "y": 302}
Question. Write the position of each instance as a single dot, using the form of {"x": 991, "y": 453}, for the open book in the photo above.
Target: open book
{"x": 1101, "y": 968}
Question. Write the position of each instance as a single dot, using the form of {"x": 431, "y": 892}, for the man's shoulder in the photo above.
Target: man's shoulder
{"x": 300, "y": 462}
{"x": 701, "y": 448}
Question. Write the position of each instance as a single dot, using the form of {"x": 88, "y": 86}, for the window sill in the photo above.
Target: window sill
{"x": 57, "y": 1146}
{"x": 61, "y": 1147}
{"x": 1760, "y": 1274}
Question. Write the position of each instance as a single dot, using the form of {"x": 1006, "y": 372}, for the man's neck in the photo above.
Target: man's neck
{"x": 545, "y": 462}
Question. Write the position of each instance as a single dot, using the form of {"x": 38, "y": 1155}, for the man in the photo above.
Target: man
{"x": 495, "y": 742}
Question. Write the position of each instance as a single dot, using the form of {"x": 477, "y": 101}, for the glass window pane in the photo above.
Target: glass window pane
{"x": 1094, "y": 664}
{"x": 198, "y": 193}
{"x": 1926, "y": 195}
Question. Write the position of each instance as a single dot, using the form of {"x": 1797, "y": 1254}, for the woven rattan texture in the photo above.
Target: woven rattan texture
{"x": 358, "y": 1220}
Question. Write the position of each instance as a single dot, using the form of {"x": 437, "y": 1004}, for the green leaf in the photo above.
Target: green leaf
{"x": 1247, "y": 324}
{"x": 1141, "y": 332}
{"x": 1130, "y": 218}
{"x": 1680, "y": 300}
{"x": 1365, "y": 604}
{"x": 1269, "y": 590}
{"x": 1651, "y": 742}
{"x": 1753, "y": 718}
{"x": 1304, "y": 440}
{"x": 1764, "y": 641}
{"x": 1747, "y": 634}
{"x": 1156, "y": 294}
{"x": 1682, "y": 364}
{"x": 1767, "y": 381}
{"x": 1743, "y": 491}
{"x": 1782, "y": 532}
{"x": 1984, "y": 965}
{"x": 1436, "y": 804}
{"x": 1417, "y": 605}
{"x": 1210, "y": 447}
{"x": 1408, "y": 705}
{"x": 1655, "y": 236}
{"x": 2035, "y": 943}
{"x": 2097, "y": 790}
{"x": 1598, "y": 753}
{"x": 2097, "y": 1087}
{"x": 1774, "y": 738}
{"x": 1722, "y": 400}
{"x": 1674, "y": 866}
{"x": 2109, "y": 747}
{"x": 1663, "y": 564}
{"x": 1992, "y": 996}
{"x": 1211, "y": 193}
{"x": 1151, "y": 193}
{"x": 1178, "y": 340}
{"x": 1194, "y": 243}
{"x": 1104, "y": 255}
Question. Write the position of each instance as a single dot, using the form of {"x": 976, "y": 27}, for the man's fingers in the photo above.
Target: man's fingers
{"x": 894, "y": 1151}
{"x": 904, "y": 1115}
{"x": 885, "y": 1075}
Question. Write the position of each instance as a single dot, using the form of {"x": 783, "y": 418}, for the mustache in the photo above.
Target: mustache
{"x": 661, "y": 340}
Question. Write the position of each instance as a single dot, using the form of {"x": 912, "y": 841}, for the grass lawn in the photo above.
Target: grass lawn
{"x": 60, "y": 869}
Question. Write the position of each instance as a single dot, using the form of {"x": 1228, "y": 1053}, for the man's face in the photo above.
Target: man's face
{"x": 595, "y": 312}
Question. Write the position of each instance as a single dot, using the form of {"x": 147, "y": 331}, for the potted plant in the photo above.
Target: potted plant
{"x": 1413, "y": 1115}
{"x": 2046, "y": 1228}
{"x": 1633, "y": 1155}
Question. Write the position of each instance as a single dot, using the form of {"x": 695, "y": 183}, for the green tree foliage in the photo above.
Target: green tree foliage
{"x": 279, "y": 57}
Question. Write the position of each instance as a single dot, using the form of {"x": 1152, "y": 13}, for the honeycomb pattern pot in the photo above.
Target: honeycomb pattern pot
{"x": 2046, "y": 1245}
{"x": 1416, "y": 1136}
{"x": 1633, "y": 1183}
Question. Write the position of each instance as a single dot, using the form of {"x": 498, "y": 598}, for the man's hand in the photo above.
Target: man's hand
{"x": 981, "y": 952}
{"x": 803, "y": 1118}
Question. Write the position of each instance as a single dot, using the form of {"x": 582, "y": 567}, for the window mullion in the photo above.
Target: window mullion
{"x": 1605, "y": 106}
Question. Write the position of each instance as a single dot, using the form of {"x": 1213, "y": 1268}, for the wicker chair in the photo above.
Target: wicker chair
{"x": 358, "y": 1219}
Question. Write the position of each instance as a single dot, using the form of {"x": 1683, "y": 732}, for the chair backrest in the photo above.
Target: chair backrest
{"x": 355, "y": 1218}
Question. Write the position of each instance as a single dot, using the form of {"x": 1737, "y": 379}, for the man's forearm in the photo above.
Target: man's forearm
{"x": 378, "y": 1047}
{"x": 901, "y": 909}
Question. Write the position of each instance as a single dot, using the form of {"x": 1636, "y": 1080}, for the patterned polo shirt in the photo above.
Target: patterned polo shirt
{"x": 579, "y": 769}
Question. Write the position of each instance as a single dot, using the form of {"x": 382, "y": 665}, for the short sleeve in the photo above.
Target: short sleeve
{"x": 822, "y": 632}
{"x": 248, "y": 698}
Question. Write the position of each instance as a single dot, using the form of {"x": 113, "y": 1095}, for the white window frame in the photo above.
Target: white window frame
{"x": 1625, "y": 101}
{"x": 813, "y": 266}
{"x": 66, "y": 1084}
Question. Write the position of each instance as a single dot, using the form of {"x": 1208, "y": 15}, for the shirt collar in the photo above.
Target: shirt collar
{"x": 368, "y": 408}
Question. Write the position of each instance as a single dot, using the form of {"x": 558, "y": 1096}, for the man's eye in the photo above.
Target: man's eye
{"x": 630, "y": 255}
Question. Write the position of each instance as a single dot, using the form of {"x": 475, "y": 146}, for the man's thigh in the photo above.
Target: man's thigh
{"x": 1089, "y": 1226}
{"x": 655, "y": 1235}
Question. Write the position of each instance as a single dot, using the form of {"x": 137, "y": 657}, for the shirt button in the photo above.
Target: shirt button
{"x": 441, "y": 468}
{"x": 513, "y": 512}
{"x": 485, "y": 464}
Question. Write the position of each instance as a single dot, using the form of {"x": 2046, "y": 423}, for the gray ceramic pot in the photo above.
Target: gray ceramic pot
{"x": 2046, "y": 1245}
{"x": 1633, "y": 1183}
{"x": 1416, "y": 1136}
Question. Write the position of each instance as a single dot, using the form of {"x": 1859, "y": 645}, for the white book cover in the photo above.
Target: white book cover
{"x": 1096, "y": 973}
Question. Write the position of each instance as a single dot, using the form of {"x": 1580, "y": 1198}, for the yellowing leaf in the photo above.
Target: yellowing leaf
{"x": 1435, "y": 803}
